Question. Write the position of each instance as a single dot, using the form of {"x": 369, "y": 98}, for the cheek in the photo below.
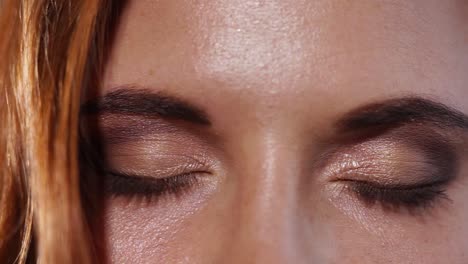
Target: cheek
{"x": 426, "y": 243}
{"x": 201, "y": 228}
{"x": 371, "y": 235}
{"x": 142, "y": 232}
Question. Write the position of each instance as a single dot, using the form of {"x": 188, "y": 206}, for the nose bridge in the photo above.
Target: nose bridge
{"x": 266, "y": 204}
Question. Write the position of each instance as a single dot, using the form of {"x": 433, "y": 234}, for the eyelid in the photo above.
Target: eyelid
{"x": 117, "y": 129}
{"x": 149, "y": 189}
{"x": 382, "y": 171}
{"x": 157, "y": 166}
{"x": 166, "y": 155}
{"x": 412, "y": 199}
{"x": 385, "y": 172}
{"x": 397, "y": 186}
{"x": 388, "y": 161}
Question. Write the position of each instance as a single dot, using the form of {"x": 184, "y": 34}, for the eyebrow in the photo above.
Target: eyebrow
{"x": 145, "y": 103}
{"x": 376, "y": 116}
{"x": 402, "y": 111}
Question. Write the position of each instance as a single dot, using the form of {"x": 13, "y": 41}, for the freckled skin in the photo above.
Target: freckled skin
{"x": 273, "y": 76}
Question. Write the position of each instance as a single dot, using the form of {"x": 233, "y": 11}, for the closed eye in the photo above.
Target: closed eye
{"x": 397, "y": 197}
{"x": 150, "y": 189}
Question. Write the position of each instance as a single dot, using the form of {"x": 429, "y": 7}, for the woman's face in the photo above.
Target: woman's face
{"x": 287, "y": 131}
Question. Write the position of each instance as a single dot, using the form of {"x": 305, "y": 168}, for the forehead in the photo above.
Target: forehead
{"x": 338, "y": 51}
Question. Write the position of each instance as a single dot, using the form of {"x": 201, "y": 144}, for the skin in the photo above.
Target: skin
{"x": 274, "y": 77}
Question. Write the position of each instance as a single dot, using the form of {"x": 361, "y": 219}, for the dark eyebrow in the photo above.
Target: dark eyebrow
{"x": 143, "y": 102}
{"x": 402, "y": 111}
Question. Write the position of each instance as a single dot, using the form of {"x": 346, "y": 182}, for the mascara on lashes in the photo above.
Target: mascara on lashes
{"x": 428, "y": 166}
{"x": 131, "y": 186}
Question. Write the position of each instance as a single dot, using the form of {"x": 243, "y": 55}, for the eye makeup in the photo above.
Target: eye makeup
{"x": 155, "y": 169}
{"x": 146, "y": 160}
{"x": 407, "y": 165}
{"x": 396, "y": 197}
{"x": 399, "y": 153}
{"x": 148, "y": 188}
{"x": 400, "y": 171}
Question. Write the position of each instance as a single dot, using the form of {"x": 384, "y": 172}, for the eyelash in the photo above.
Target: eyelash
{"x": 118, "y": 184}
{"x": 391, "y": 197}
{"x": 398, "y": 197}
